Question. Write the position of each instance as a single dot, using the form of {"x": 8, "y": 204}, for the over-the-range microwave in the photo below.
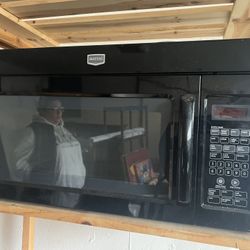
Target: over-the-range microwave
{"x": 157, "y": 131}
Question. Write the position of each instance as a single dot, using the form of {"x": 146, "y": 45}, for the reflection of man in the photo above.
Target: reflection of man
{"x": 49, "y": 154}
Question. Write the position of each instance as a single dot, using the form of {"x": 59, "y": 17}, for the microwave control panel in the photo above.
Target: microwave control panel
{"x": 227, "y": 173}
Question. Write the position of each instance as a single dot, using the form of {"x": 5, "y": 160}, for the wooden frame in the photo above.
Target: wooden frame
{"x": 37, "y": 23}
{"x": 177, "y": 231}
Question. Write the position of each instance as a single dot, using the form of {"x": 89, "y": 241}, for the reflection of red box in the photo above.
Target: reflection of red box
{"x": 139, "y": 166}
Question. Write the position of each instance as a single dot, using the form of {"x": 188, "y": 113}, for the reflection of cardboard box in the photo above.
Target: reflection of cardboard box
{"x": 139, "y": 166}
{"x": 143, "y": 170}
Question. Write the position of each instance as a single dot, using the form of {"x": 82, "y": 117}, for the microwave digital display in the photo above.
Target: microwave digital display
{"x": 230, "y": 112}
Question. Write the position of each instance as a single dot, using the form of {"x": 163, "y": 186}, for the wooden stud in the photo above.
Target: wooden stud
{"x": 238, "y": 24}
{"x": 28, "y": 233}
{"x": 27, "y": 27}
{"x": 12, "y": 40}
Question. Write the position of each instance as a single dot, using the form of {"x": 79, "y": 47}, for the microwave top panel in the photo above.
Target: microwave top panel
{"x": 206, "y": 57}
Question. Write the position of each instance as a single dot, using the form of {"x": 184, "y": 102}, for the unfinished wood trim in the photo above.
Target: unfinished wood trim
{"x": 238, "y": 16}
{"x": 239, "y": 240}
{"x": 21, "y": 3}
{"x": 28, "y": 233}
{"x": 141, "y": 41}
{"x": 95, "y": 3}
{"x": 27, "y": 27}
{"x": 130, "y": 14}
{"x": 12, "y": 40}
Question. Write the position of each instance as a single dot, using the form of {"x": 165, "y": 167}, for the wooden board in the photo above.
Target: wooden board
{"x": 177, "y": 231}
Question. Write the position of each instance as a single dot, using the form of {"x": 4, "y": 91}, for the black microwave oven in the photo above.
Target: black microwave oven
{"x": 158, "y": 131}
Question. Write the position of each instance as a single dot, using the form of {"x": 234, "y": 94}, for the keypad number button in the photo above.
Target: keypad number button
{"x": 244, "y": 174}
{"x": 245, "y": 166}
{"x": 228, "y": 172}
{"x": 212, "y": 171}
{"x": 220, "y": 171}
{"x": 228, "y": 164}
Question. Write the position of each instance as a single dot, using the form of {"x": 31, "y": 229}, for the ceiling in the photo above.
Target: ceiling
{"x": 46, "y": 23}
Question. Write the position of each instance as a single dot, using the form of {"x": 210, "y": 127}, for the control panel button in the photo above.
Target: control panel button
{"x": 212, "y": 163}
{"x": 229, "y": 148}
{"x": 228, "y": 172}
{"x": 220, "y": 164}
{"x": 235, "y": 182}
{"x": 213, "y": 192}
{"x": 212, "y": 171}
{"x": 244, "y": 173}
{"x": 228, "y": 156}
{"x": 215, "y": 147}
{"x": 240, "y": 203}
{"x": 245, "y": 132}
{"x": 214, "y": 131}
{"x": 242, "y": 157}
{"x": 224, "y": 140}
{"x": 243, "y": 149}
{"x": 239, "y": 194}
{"x": 228, "y": 164}
{"x": 214, "y": 139}
{"x": 227, "y": 193}
{"x": 236, "y": 173}
{"x": 215, "y": 156}
{"x": 235, "y": 132}
{"x": 224, "y": 132}
{"x": 234, "y": 140}
{"x": 220, "y": 181}
{"x": 244, "y": 141}
{"x": 213, "y": 200}
{"x": 220, "y": 171}
{"x": 236, "y": 165}
{"x": 227, "y": 201}
{"x": 245, "y": 166}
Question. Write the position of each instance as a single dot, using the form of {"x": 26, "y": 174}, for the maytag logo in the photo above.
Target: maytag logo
{"x": 96, "y": 59}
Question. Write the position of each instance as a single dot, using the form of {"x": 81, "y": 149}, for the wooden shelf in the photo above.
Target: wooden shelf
{"x": 177, "y": 231}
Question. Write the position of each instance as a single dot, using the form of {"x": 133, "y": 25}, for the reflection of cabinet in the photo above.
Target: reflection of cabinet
{"x": 133, "y": 125}
{"x": 130, "y": 133}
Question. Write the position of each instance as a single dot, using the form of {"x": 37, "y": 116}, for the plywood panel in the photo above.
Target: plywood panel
{"x": 168, "y": 27}
{"x": 34, "y": 8}
{"x": 124, "y": 16}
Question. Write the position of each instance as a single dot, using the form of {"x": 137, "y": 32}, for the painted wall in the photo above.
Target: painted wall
{"x": 54, "y": 235}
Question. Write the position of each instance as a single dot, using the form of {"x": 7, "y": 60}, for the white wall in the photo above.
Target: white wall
{"x": 54, "y": 235}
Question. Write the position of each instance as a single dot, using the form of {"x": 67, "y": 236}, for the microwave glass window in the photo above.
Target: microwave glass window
{"x": 230, "y": 112}
{"x": 65, "y": 141}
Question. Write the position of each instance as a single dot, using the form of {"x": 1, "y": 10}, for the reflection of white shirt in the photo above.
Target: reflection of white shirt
{"x": 70, "y": 170}
{"x": 70, "y": 154}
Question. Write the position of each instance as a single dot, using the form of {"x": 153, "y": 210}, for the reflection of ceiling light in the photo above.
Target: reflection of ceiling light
{"x": 1, "y": 48}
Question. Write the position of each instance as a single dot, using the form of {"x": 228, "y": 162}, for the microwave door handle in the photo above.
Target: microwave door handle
{"x": 186, "y": 132}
